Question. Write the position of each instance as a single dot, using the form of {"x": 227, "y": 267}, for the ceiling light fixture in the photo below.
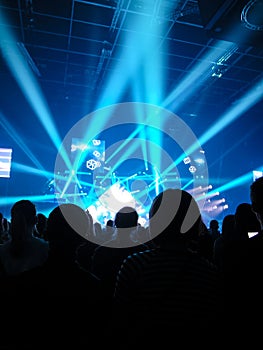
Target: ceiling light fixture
{"x": 252, "y": 15}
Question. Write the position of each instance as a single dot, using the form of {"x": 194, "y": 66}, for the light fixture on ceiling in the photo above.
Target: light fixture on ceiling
{"x": 252, "y": 15}
{"x": 218, "y": 70}
{"x": 220, "y": 67}
{"x": 29, "y": 13}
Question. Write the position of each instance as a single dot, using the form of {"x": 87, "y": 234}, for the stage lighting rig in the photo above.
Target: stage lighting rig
{"x": 218, "y": 70}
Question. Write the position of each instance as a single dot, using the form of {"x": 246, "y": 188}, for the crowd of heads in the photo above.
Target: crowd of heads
{"x": 134, "y": 265}
{"x": 173, "y": 215}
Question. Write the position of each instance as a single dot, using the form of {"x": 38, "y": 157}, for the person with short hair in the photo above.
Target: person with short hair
{"x": 23, "y": 251}
{"x": 169, "y": 289}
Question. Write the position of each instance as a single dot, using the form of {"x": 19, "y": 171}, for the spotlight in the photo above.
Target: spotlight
{"x": 199, "y": 161}
{"x": 218, "y": 70}
{"x": 96, "y": 142}
{"x": 187, "y": 160}
{"x": 192, "y": 169}
{"x": 96, "y": 154}
{"x": 91, "y": 164}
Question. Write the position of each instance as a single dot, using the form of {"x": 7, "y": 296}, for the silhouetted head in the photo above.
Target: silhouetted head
{"x": 174, "y": 214}
{"x": 228, "y": 226}
{"x": 23, "y": 220}
{"x": 110, "y": 223}
{"x": 214, "y": 225}
{"x": 41, "y": 219}
{"x": 67, "y": 225}
{"x": 256, "y": 196}
{"x": 25, "y": 210}
{"x": 1, "y": 222}
{"x": 246, "y": 220}
{"x": 126, "y": 217}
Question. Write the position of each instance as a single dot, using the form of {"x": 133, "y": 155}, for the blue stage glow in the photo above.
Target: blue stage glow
{"x": 249, "y": 100}
{"x": 30, "y": 170}
{"x": 25, "y": 78}
{"x": 37, "y": 198}
{"x": 19, "y": 141}
{"x": 240, "y": 181}
{"x": 200, "y": 72}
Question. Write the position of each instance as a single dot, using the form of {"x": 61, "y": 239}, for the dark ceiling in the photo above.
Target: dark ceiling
{"x": 74, "y": 48}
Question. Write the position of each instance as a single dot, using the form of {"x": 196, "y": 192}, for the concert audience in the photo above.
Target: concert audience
{"x": 252, "y": 286}
{"x": 235, "y": 258}
{"x": 58, "y": 302}
{"x": 70, "y": 287}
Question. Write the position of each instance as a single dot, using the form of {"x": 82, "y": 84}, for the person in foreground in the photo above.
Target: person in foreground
{"x": 57, "y": 303}
{"x": 23, "y": 251}
{"x": 252, "y": 289}
{"x": 171, "y": 290}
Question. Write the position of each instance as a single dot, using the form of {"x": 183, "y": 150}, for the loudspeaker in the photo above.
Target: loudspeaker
{"x": 238, "y": 21}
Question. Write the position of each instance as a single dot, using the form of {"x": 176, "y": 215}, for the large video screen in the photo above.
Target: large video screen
{"x": 5, "y": 162}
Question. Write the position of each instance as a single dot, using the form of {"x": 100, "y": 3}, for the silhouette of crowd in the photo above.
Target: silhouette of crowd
{"x": 67, "y": 280}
